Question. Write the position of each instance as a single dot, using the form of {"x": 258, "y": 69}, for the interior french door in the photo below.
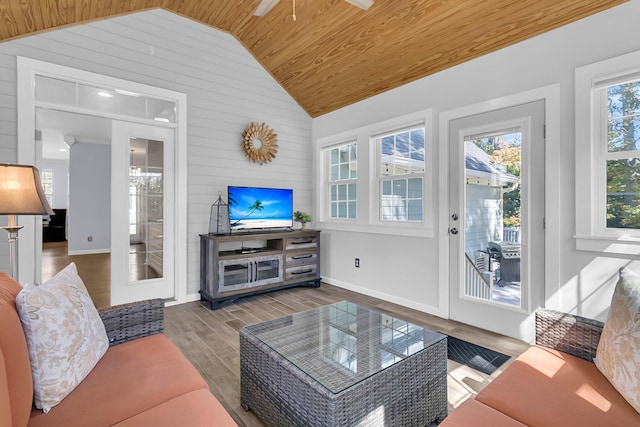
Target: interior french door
{"x": 496, "y": 222}
{"x": 142, "y": 219}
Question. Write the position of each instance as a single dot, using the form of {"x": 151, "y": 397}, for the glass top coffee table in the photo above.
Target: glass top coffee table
{"x": 343, "y": 365}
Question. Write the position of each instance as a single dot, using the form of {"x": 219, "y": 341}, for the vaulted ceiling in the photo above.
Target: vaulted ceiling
{"x": 336, "y": 54}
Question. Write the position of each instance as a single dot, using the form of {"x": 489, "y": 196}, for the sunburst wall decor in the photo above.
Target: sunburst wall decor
{"x": 259, "y": 143}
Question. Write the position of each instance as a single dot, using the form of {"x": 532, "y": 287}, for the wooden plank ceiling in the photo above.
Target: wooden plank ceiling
{"x": 336, "y": 54}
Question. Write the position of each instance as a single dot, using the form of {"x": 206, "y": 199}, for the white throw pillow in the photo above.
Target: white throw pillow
{"x": 618, "y": 354}
{"x": 65, "y": 335}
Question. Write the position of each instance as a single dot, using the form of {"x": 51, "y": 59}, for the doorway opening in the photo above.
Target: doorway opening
{"x": 105, "y": 99}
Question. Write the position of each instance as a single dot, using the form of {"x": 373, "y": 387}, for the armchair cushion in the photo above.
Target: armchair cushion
{"x": 618, "y": 351}
{"x": 65, "y": 335}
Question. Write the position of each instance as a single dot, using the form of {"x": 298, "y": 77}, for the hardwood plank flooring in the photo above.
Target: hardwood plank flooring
{"x": 94, "y": 269}
{"x": 210, "y": 340}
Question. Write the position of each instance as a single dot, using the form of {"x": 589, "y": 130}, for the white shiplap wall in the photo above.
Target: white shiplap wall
{"x": 226, "y": 89}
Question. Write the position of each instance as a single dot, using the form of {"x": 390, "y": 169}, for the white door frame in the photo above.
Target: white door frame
{"x": 30, "y": 250}
{"x": 551, "y": 96}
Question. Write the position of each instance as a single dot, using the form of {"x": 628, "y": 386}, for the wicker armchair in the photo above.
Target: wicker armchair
{"x": 568, "y": 333}
{"x": 131, "y": 321}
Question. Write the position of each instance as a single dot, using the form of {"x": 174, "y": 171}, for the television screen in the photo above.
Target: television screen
{"x": 253, "y": 208}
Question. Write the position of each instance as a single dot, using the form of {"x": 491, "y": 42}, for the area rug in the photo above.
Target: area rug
{"x": 474, "y": 356}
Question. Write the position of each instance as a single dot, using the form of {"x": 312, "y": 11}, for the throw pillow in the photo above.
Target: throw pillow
{"x": 618, "y": 353}
{"x": 65, "y": 335}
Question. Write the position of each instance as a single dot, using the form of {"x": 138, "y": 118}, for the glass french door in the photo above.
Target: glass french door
{"x": 497, "y": 217}
{"x": 142, "y": 236}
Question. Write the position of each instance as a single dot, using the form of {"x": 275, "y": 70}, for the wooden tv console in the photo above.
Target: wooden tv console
{"x": 237, "y": 265}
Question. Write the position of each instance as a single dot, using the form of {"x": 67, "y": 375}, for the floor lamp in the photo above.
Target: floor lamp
{"x": 21, "y": 193}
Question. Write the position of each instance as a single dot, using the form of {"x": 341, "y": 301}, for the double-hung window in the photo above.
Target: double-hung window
{"x": 619, "y": 160}
{"x": 401, "y": 169}
{"x": 343, "y": 172}
{"x": 608, "y": 155}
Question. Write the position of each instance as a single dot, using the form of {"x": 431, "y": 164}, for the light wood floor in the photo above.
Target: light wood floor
{"x": 93, "y": 269}
{"x": 210, "y": 340}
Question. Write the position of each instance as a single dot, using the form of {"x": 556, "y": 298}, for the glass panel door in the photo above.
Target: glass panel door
{"x": 146, "y": 178}
{"x": 142, "y": 193}
{"x": 492, "y": 216}
{"x": 496, "y": 219}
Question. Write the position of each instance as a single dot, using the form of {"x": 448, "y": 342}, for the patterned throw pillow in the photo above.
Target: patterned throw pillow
{"x": 618, "y": 354}
{"x": 65, "y": 335}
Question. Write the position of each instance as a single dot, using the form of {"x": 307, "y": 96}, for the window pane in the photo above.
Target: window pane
{"x": 334, "y": 173}
{"x": 386, "y": 188}
{"x": 334, "y": 193}
{"x": 624, "y": 134}
{"x": 623, "y": 193}
{"x": 623, "y": 99}
{"x": 342, "y": 192}
{"x": 352, "y": 152}
{"x": 415, "y": 210}
{"x": 402, "y": 144}
{"x": 335, "y": 155}
{"x": 623, "y": 110}
{"x": 344, "y": 171}
{"x": 400, "y": 187}
{"x": 344, "y": 154}
{"x": 352, "y": 209}
{"x": 415, "y": 188}
{"x": 342, "y": 210}
{"x": 387, "y": 145}
{"x": 334, "y": 210}
{"x": 402, "y": 153}
{"x": 352, "y": 191}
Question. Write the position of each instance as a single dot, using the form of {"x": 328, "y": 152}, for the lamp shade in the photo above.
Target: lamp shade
{"x": 21, "y": 191}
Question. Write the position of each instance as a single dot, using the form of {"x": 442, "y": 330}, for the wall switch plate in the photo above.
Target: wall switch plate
{"x": 90, "y": 239}
{"x": 357, "y": 262}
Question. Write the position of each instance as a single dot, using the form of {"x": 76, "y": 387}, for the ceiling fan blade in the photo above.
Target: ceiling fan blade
{"x": 265, "y": 7}
{"x": 362, "y": 4}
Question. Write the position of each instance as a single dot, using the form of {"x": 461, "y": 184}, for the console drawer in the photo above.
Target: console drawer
{"x": 301, "y": 257}
{"x": 302, "y": 242}
{"x": 300, "y": 272}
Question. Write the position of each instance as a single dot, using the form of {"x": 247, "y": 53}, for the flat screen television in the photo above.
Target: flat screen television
{"x": 256, "y": 208}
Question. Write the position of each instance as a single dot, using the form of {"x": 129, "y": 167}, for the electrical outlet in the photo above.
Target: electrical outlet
{"x": 89, "y": 238}
{"x": 357, "y": 262}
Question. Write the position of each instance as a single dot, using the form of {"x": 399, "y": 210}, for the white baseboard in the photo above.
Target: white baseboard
{"x": 188, "y": 298}
{"x": 425, "y": 308}
{"x": 90, "y": 251}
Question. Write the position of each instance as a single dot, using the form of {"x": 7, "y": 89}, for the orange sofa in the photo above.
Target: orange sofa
{"x": 142, "y": 380}
{"x": 553, "y": 383}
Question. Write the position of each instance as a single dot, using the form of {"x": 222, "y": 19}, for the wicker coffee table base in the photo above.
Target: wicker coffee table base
{"x": 412, "y": 392}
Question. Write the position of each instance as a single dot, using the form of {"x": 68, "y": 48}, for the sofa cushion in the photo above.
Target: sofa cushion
{"x": 618, "y": 352}
{"x": 5, "y": 399}
{"x": 13, "y": 345}
{"x": 474, "y": 413}
{"x": 129, "y": 379}
{"x": 545, "y": 387}
{"x": 64, "y": 332}
{"x": 195, "y": 409}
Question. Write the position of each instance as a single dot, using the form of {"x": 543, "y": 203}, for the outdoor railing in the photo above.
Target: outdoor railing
{"x": 511, "y": 234}
{"x": 475, "y": 283}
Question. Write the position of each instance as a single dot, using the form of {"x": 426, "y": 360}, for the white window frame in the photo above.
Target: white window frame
{"x": 591, "y": 153}
{"x": 377, "y": 140}
{"x": 329, "y": 183}
{"x": 368, "y": 188}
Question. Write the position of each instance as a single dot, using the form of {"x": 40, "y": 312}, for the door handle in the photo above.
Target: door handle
{"x": 454, "y": 230}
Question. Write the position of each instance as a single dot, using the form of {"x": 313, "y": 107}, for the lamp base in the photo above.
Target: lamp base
{"x": 13, "y": 229}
